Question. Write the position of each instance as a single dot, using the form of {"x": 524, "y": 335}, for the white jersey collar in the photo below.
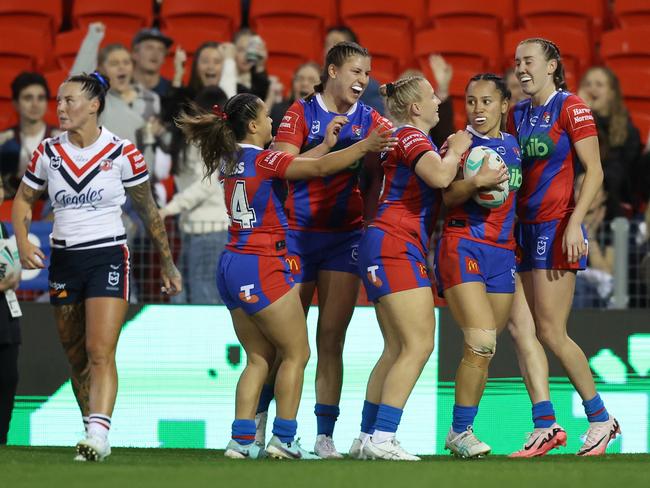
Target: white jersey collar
{"x": 250, "y": 146}
{"x": 476, "y": 133}
{"x": 321, "y": 102}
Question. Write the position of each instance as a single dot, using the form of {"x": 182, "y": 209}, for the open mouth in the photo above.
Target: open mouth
{"x": 525, "y": 79}
{"x": 480, "y": 120}
{"x": 357, "y": 90}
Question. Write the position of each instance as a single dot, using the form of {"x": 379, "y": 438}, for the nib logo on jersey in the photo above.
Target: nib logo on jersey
{"x": 89, "y": 197}
{"x": 538, "y": 147}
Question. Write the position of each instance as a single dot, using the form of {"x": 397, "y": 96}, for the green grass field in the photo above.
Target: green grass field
{"x": 141, "y": 468}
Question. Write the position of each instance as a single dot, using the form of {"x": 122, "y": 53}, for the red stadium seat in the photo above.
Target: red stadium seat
{"x": 221, "y": 16}
{"x": 584, "y": 15}
{"x": 21, "y": 50}
{"x": 66, "y": 45}
{"x": 497, "y": 15}
{"x": 189, "y": 39}
{"x": 403, "y": 18}
{"x": 574, "y": 46}
{"x": 313, "y": 16}
{"x": 635, "y": 86}
{"x": 641, "y": 121}
{"x": 464, "y": 48}
{"x": 629, "y": 47}
{"x": 285, "y": 57}
{"x": 391, "y": 53}
{"x": 8, "y": 115}
{"x": 632, "y": 13}
{"x": 124, "y": 15}
{"x": 40, "y": 15}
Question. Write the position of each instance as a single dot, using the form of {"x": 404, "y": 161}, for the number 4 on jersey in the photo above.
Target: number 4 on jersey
{"x": 241, "y": 212}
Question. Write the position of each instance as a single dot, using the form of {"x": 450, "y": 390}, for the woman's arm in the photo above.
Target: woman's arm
{"x": 145, "y": 206}
{"x": 573, "y": 242}
{"x": 86, "y": 60}
{"x": 439, "y": 172}
{"x": 31, "y": 257}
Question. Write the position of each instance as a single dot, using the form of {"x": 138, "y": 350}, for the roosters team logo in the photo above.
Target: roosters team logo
{"x": 106, "y": 165}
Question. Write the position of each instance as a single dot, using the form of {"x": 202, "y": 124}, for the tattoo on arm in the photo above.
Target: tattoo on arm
{"x": 142, "y": 199}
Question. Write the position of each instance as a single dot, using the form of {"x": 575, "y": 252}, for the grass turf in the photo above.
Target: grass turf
{"x": 53, "y": 467}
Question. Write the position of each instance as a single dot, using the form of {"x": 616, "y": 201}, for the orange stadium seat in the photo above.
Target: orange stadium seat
{"x": 314, "y": 16}
{"x": 462, "y": 47}
{"x": 189, "y": 39}
{"x": 641, "y": 121}
{"x": 498, "y": 15}
{"x": 628, "y": 47}
{"x": 222, "y": 16}
{"x": 125, "y": 15}
{"x": 584, "y": 15}
{"x": 574, "y": 46}
{"x": 457, "y": 93}
{"x": 20, "y": 50}
{"x": 40, "y": 15}
{"x": 67, "y": 44}
{"x": 632, "y": 13}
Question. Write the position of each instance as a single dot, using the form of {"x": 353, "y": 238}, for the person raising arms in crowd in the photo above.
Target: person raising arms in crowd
{"x": 553, "y": 127}
{"x": 392, "y": 262}
{"x": 325, "y": 217}
{"x": 475, "y": 258}
{"x": 88, "y": 171}
{"x": 253, "y": 276}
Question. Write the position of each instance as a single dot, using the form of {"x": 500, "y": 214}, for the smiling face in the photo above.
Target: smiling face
{"x": 348, "y": 82}
{"x": 597, "y": 91}
{"x": 208, "y": 66}
{"x": 485, "y": 107}
{"x": 534, "y": 72}
{"x": 428, "y": 104}
{"x": 118, "y": 68}
{"x": 73, "y": 108}
{"x": 32, "y": 103}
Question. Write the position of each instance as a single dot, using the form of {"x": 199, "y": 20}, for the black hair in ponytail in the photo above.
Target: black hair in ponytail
{"x": 94, "y": 85}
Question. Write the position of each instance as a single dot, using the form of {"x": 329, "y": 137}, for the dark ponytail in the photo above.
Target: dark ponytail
{"x": 217, "y": 133}
{"x": 337, "y": 56}
{"x": 551, "y": 51}
{"x": 496, "y": 79}
{"x": 94, "y": 85}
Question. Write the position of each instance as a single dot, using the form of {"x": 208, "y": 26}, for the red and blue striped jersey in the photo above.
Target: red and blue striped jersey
{"x": 253, "y": 194}
{"x": 408, "y": 207}
{"x": 490, "y": 226}
{"x": 547, "y": 135}
{"x": 332, "y": 203}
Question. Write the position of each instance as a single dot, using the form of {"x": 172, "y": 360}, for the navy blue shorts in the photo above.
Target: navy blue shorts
{"x": 310, "y": 252}
{"x": 75, "y": 275}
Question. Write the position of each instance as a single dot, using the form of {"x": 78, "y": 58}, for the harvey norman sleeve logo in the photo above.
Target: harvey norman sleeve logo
{"x": 289, "y": 123}
{"x": 580, "y": 116}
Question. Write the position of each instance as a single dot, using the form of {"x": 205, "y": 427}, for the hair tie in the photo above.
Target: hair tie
{"x": 216, "y": 109}
{"x": 102, "y": 81}
{"x": 390, "y": 89}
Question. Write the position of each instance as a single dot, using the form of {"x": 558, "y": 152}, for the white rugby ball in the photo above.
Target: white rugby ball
{"x": 9, "y": 259}
{"x": 474, "y": 161}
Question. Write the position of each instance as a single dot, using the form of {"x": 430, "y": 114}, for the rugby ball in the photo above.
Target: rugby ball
{"x": 9, "y": 259}
{"x": 473, "y": 163}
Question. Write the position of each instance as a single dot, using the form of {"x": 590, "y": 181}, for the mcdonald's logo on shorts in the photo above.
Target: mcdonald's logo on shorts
{"x": 294, "y": 264}
{"x": 471, "y": 265}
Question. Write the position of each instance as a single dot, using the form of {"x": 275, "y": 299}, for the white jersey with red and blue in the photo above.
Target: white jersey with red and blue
{"x": 547, "y": 135}
{"x": 253, "y": 193}
{"x": 491, "y": 226}
{"x": 408, "y": 207}
{"x": 333, "y": 203}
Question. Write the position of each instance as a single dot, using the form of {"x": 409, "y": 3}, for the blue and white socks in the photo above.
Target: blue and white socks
{"x": 285, "y": 429}
{"x": 386, "y": 424}
{"x": 463, "y": 417}
{"x": 98, "y": 425}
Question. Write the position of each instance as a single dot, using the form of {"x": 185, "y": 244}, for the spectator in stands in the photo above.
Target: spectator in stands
{"x": 341, "y": 33}
{"x": 251, "y": 56}
{"x": 148, "y": 50}
{"x": 30, "y": 93}
{"x": 132, "y": 111}
{"x": 203, "y": 219}
{"x": 514, "y": 86}
{"x": 619, "y": 140}
{"x": 595, "y": 284}
{"x": 9, "y": 346}
{"x": 306, "y": 77}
